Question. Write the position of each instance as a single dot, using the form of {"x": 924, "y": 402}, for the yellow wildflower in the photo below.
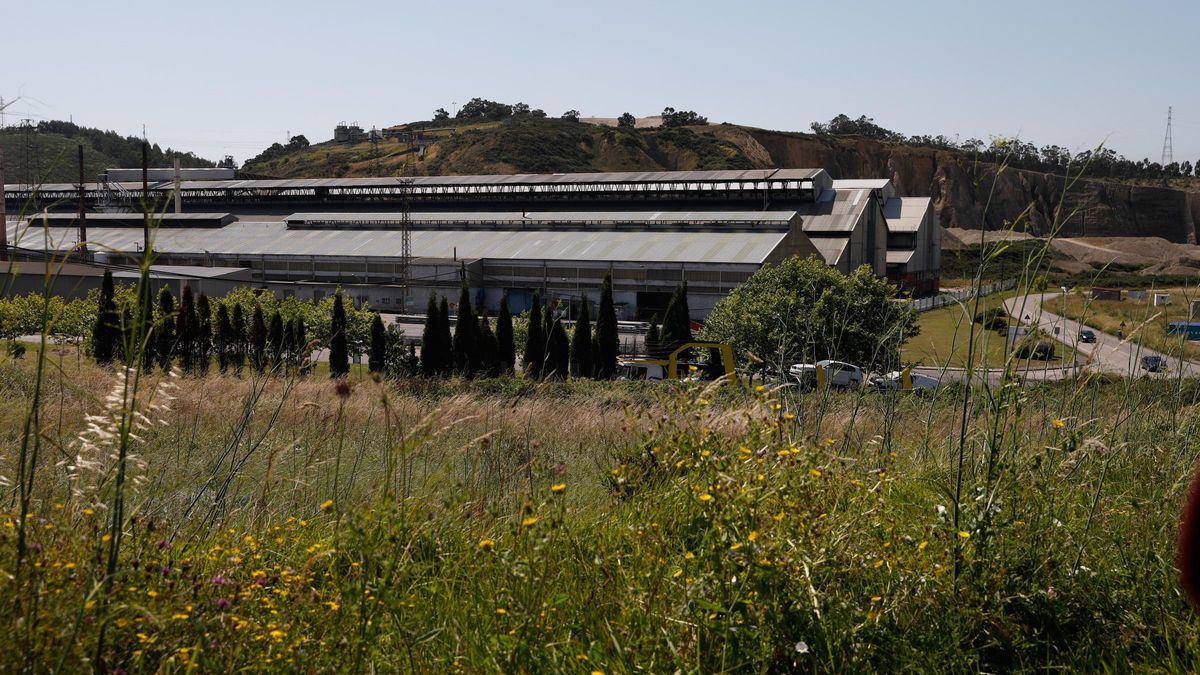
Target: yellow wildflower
{"x": 558, "y": 487}
{"x": 964, "y": 534}
{"x": 327, "y": 504}
{"x": 705, "y": 497}
{"x": 753, "y": 535}
{"x": 1058, "y": 423}
{"x": 487, "y": 544}
{"x": 815, "y": 473}
{"x": 529, "y": 520}
{"x": 921, "y": 546}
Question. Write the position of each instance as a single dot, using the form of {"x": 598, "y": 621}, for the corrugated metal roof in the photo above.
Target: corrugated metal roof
{"x": 899, "y": 257}
{"x": 905, "y": 214}
{"x": 780, "y": 218}
{"x": 834, "y": 211}
{"x": 514, "y": 180}
{"x": 861, "y": 183}
{"x": 274, "y": 239}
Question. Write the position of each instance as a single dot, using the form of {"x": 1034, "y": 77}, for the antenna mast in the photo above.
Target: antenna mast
{"x": 1168, "y": 152}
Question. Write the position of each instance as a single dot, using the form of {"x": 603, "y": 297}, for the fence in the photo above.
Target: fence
{"x": 960, "y": 294}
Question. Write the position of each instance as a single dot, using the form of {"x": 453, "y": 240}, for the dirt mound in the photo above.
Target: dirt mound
{"x": 957, "y": 237}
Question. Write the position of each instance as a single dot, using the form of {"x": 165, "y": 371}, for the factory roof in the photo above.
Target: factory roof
{"x": 273, "y": 239}
{"x": 550, "y": 182}
{"x": 834, "y": 210}
{"x": 546, "y": 219}
{"x": 899, "y": 257}
{"x": 905, "y": 214}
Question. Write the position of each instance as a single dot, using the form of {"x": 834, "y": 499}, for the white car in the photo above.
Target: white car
{"x": 837, "y": 373}
{"x": 895, "y": 380}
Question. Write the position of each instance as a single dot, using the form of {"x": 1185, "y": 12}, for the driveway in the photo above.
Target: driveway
{"x": 1108, "y": 354}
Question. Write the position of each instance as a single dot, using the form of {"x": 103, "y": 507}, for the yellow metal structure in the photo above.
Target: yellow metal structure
{"x": 670, "y": 365}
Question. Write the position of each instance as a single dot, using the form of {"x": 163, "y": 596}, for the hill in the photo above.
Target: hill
{"x": 47, "y": 153}
{"x": 959, "y": 182}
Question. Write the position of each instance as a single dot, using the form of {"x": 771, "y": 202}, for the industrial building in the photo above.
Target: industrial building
{"x": 558, "y": 234}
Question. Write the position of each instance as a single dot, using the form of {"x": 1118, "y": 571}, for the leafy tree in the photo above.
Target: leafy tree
{"x": 571, "y": 116}
{"x": 165, "y": 329}
{"x": 535, "y": 342}
{"x": 681, "y": 118}
{"x": 558, "y": 352}
{"x": 466, "y": 339}
{"x": 378, "y": 354}
{"x": 238, "y": 340}
{"x": 803, "y": 311}
{"x": 429, "y": 349}
{"x": 223, "y": 343}
{"x": 106, "y": 331}
{"x": 608, "y": 342}
{"x": 581, "y": 344}
{"x": 440, "y": 115}
{"x": 258, "y": 340}
{"x": 483, "y": 109}
{"x": 505, "y": 346}
{"x": 339, "y": 358}
{"x": 626, "y": 121}
{"x": 864, "y": 126}
{"x": 276, "y": 342}
{"x": 185, "y": 330}
{"x": 203, "y": 335}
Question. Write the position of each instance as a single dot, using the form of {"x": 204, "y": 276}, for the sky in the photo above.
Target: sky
{"x": 222, "y": 77}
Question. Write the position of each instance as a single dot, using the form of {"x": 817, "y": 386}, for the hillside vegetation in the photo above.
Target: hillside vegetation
{"x": 47, "y": 153}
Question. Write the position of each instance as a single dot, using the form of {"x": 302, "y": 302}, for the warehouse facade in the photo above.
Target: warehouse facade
{"x": 504, "y": 235}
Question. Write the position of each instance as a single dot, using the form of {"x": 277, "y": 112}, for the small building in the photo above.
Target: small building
{"x": 1161, "y": 299}
{"x": 1106, "y": 294}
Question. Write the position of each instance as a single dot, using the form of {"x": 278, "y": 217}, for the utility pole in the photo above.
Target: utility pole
{"x": 83, "y": 250}
{"x": 145, "y": 200}
{"x": 3, "y": 218}
{"x": 178, "y": 186}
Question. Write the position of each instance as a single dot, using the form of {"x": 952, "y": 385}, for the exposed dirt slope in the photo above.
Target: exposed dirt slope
{"x": 968, "y": 195}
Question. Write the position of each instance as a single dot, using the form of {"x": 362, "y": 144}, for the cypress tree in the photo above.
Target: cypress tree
{"x": 581, "y": 344}
{"x": 466, "y": 339}
{"x": 489, "y": 349}
{"x": 677, "y": 325}
{"x": 535, "y": 343}
{"x": 185, "y": 329}
{"x": 444, "y": 341}
{"x": 412, "y": 364}
{"x": 288, "y": 353}
{"x": 258, "y": 341}
{"x": 378, "y": 353}
{"x": 429, "y": 364}
{"x": 203, "y": 335}
{"x": 165, "y": 329}
{"x": 223, "y": 340}
{"x": 237, "y": 354}
{"x": 125, "y": 337}
{"x": 608, "y": 342}
{"x": 339, "y": 358}
{"x": 275, "y": 342}
{"x": 558, "y": 352}
{"x": 505, "y": 347}
{"x": 300, "y": 340}
{"x": 653, "y": 339}
{"x": 106, "y": 332}
{"x": 143, "y": 340}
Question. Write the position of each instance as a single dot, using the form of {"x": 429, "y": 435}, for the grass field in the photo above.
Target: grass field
{"x": 501, "y": 525}
{"x": 1143, "y": 323}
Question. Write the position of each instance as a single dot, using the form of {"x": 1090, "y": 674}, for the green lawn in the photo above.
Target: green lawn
{"x": 946, "y": 335}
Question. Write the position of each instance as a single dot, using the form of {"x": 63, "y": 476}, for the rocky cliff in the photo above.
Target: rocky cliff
{"x": 967, "y": 194}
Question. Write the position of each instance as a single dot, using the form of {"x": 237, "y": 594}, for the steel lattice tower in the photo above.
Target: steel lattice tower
{"x": 1168, "y": 152}
{"x": 405, "y": 242}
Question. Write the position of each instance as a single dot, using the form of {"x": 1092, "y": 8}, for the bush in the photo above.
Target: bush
{"x": 993, "y": 319}
{"x": 1039, "y": 350}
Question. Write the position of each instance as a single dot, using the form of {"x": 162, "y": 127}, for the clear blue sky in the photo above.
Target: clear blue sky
{"x": 221, "y": 77}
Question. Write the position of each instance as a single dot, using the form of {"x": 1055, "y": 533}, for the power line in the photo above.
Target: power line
{"x": 1168, "y": 152}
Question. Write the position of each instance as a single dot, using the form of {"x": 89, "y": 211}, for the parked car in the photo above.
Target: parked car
{"x": 1087, "y": 336}
{"x": 837, "y": 373}
{"x": 895, "y": 380}
{"x": 1154, "y": 364}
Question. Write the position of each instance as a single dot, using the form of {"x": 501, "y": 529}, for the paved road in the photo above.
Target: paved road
{"x": 1108, "y": 354}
